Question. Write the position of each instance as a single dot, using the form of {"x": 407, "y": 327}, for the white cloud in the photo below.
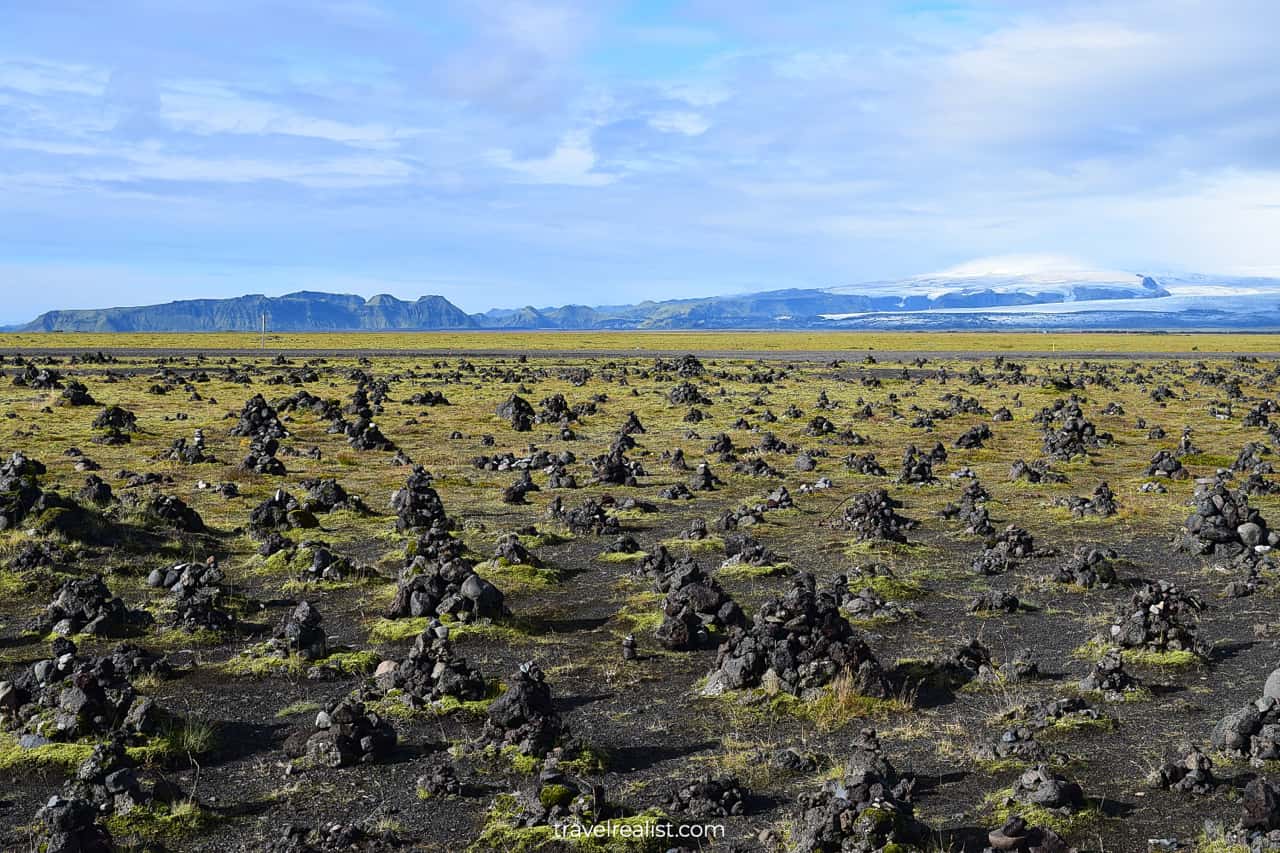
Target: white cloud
{"x": 570, "y": 164}
{"x": 697, "y": 93}
{"x": 1043, "y": 267}
{"x": 35, "y": 77}
{"x": 688, "y": 123}
{"x": 205, "y": 108}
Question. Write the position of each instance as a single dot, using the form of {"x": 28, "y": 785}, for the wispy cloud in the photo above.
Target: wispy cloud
{"x": 571, "y": 163}
{"x": 558, "y": 148}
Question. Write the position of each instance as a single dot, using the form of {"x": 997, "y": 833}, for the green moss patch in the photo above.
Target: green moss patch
{"x": 1067, "y": 824}
{"x": 1172, "y": 659}
{"x": 711, "y": 543}
{"x": 746, "y": 570}
{"x": 518, "y": 576}
{"x": 259, "y": 662}
{"x": 625, "y": 835}
{"x": 620, "y": 557}
{"x": 383, "y": 630}
{"x": 161, "y": 823}
{"x": 50, "y": 756}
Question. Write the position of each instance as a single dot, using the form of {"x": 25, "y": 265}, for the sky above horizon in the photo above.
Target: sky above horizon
{"x": 510, "y": 152}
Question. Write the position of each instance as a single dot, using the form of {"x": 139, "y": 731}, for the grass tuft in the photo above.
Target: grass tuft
{"x": 161, "y": 823}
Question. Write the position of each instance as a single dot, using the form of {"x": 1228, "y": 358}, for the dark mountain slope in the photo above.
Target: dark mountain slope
{"x": 304, "y": 311}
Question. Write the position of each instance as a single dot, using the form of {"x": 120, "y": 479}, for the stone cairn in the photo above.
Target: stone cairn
{"x": 1042, "y": 787}
{"x": 115, "y": 425}
{"x": 1088, "y": 567}
{"x": 70, "y": 826}
{"x": 614, "y": 468}
{"x": 75, "y": 394}
{"x": 865, "y": 464}
{"x": 974, "y": 437}
{"x": 591, "y": 518}
{"x": 300, "y": 633}
{"x": 96, "y": 491}
{"x": 797, "y": 644}
{"x": 280, "y": 512}
{"x": 971, "y": 509}
{"x": 1016, "y": 742}
{"x": 174, "y": 512}
{"x": 867, "y": 808}
{"x": 873, "y": 516}
{"x": 437, "y": 579}
{"x": 343, "y": 734}
{"x": 262, "y": 457}
{"x": 108, "y": 779}
{"x": 695, "y": 609}
{"x": 1101, "y": 503}
{"x": 524, "y": 717}
{"x": 1253, "y": 731}
{"x": 516, "y": 411}
{"x": 1223, "y": 524}
{"x": 1165, "y": 464}
{"x": 1067, "y": 433}
{"x": 198, "y": 595}
{"x": 1109, "y": 677}
{"x": 67, "y": 697}
{"x": 743, "y": 549}
{"x": 86, "y": 606}
{"x": 1157, "y": 618}
{"x": 21, "y": 496}
{"x": 708, "y": 797}
{"x": 189, "y": 452}
{"x": 417, "y": 504}
{"x": 432, "y": 671}
{"x": 258, "y": 419}
{"x": 1034, "y": 472}
{"x": 1191, "y": 772}
{"x": 917, "y": 467}
{"x": 865, "y": 603}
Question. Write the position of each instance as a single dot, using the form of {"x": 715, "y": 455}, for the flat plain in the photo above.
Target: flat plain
{"x": 818, "y": 664}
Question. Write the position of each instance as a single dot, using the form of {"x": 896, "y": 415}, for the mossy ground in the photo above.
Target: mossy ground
{"x": 176, "y": 740}
{"x": 1171, "y": 658}
{"x": 259, "y": 662}
{"x": 63, "y": 756}
{"x": 620, "y": 557}
{"x": 622, "y": 835}
{"x": 570, "y": 615}
{"x": 746, "y": 570}
{"x": 387, "y": 631}
{"x": 1071, "y": 825}
{"x": 167, "y": 823}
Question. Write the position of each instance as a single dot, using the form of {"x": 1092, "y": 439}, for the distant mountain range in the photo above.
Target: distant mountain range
{"x": 957, "y": 300}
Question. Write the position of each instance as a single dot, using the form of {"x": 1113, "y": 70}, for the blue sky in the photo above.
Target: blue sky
{"x": 511, "y": 152}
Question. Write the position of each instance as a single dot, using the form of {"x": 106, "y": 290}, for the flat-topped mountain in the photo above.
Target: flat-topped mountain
{"x": 305, "y": 311}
